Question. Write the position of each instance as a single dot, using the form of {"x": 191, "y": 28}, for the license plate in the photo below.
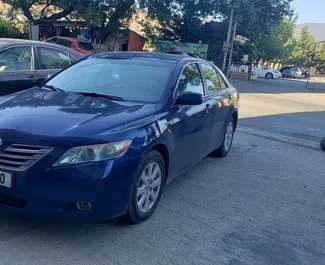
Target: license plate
{"x": 5, "y": 179}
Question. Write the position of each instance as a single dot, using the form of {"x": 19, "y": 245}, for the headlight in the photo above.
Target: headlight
{"x": 93, "y": 153}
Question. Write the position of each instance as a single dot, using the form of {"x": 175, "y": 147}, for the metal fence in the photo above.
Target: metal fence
{"x": 316, "y": 82}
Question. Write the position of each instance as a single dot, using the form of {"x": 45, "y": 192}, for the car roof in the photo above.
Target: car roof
{"x": 152, "y": 56}
{"x": 68, "y": 38}
{"x": 4, "y": 43}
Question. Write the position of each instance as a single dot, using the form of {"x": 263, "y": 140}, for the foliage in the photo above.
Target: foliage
{"x": 7, "y": 30}
{"x": 318, "y": 61}
{"x": 50, "y": 9}
{"x": 303, "y": 52}
{"x": 259, "y": 22}
{"x": 280, "y": 44}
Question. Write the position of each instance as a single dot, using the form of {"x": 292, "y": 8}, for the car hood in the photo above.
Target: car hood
{"x": 64, "y": 114}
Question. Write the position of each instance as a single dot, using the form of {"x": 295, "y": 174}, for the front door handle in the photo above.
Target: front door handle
{"x": 31, "y": 79}
{"x": 208, "y": 107}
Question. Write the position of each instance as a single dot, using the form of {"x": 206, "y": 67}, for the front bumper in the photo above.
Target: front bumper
{"x": 54, "y": 192}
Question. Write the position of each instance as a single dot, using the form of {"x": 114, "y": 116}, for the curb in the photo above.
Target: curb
{"x": 279, "y": 137}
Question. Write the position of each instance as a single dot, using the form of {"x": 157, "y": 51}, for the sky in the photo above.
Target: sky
{"x": 309, "y": 11}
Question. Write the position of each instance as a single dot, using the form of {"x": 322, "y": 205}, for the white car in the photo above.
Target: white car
{"x": 267, "y": 73}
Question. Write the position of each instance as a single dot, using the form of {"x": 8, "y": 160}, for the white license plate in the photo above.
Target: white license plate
{"x": 5, "y": 179}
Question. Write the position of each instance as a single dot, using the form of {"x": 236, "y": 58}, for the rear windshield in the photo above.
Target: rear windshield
{"x": 85, "y": 46}
{"x": 131, "y": 79}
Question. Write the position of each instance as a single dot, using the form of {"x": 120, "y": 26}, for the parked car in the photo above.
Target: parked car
{"x": 267, "y": 73}
{"x": 305, "y": 74}
{"x": 102, "y": 138}
{"x": 291, "y": 72}
{"x": 184, "y": 53}
{"x": 24, "y": 64}
{"x": 81, "y": 46}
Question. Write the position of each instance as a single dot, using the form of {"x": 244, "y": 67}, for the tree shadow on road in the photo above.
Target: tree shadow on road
{"x": 303, "y": 125}
{"x": 273, "y": 86}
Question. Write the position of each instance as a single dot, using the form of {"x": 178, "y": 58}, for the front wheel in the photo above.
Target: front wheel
{"x": 146, "y": 189}
{"x": 269, "y": 76}
{"x": 225, "y": 147}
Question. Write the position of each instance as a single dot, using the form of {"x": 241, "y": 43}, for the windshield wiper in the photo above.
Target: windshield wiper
{"x": 96, "y": 95}
{"x": 53, "y": 88}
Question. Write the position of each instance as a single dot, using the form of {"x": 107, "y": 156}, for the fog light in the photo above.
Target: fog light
{"x": 83, "y": 206}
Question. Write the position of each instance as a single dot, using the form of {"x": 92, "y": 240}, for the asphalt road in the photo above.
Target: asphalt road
{"x": 282, "y": 106}
{"x": 262, "y": 205}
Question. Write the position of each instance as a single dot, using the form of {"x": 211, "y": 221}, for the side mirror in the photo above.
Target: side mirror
{"x": 189, "y": 98}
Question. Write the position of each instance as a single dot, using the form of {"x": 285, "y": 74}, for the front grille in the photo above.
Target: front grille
{"x": 20, "y": 157}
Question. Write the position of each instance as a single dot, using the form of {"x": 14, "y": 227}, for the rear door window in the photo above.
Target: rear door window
{"x": 85, "y": 46}
{"x": 52, "y": 40}
{"x": 64, "y": 42}
{"x": 17, "y": 59}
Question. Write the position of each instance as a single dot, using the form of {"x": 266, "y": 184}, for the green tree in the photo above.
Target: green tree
{"x": 50, "y": 9}
{"x": 319, "y": 58}
{"x": 7, "y": 30}
{"x": 109, "y": 16}
{"x": 281, "y": 42}
{"x": 259, "y": 21}
{"x": 303, "y": 51}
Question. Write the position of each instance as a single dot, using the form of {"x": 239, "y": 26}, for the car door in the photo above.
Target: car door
{"x": 17, "y": 69}
{"x": 259, "y": 72}
{"x": 190, "y": 124}
{"x": 219, "y": 99}
{"x": 50, "y": 61}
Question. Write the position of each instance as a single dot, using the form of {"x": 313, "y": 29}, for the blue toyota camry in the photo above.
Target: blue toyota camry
{"x": 103, "y": 137}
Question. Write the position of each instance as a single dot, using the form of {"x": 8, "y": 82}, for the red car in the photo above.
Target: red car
{"x": 81, "y": 46}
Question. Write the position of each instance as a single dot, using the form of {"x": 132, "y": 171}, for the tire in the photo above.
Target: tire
{"x": 225, "y": 147}
{"x": 269, "y": 76}
{"x": 135, "y": 214}
{"x": 322, "y": 144}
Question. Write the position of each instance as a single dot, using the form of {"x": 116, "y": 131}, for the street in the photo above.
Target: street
{"x": 282, "y": 106}
{"x": 263, "y": 204}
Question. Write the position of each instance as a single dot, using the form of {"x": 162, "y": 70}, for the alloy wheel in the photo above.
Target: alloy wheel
{"x": 229, "y": 136}
{"x": 149, "y": 187}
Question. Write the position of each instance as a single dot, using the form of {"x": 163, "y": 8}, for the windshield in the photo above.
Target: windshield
{"x": 133, "y": 80}
{"x": 85, "y": 46}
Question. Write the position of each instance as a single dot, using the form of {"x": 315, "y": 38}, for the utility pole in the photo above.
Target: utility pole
{"x": 251, "y": 61}
{"x": 232, "y": 47}
{"x": 228, "y": 38}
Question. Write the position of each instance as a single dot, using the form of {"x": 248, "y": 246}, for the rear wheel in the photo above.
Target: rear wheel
{"x": 225, "y": 147}
{"x": 146, "y": 189}
{"x": 269, "y": 76}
